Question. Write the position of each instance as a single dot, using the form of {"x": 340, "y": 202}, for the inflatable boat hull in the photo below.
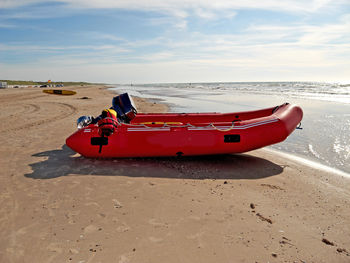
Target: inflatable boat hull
{"x": 172, "y": 134}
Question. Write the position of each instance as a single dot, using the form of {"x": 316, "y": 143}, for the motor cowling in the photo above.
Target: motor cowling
{"x": 125, "y": 107}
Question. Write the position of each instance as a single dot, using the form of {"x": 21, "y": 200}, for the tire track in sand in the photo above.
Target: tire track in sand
{"x": 65, "y": 110}
{"x": 17, "y": 110}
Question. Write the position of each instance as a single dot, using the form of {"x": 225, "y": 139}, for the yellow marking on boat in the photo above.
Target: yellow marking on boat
{"x": 59, "y": 91}
{"x": 161, "y": 123}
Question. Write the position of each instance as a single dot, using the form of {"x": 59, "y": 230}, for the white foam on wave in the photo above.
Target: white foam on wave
{"x": 310, "y": 163}
{"x": 311, "y": 149}
{"x": 342, "y": 150}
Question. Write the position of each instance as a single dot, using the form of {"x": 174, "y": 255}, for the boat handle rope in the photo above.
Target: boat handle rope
{"x": 165, "y": 125}
{"x": 222, "y": 130}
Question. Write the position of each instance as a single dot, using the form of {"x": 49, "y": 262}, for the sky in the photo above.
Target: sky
{"x": 162, "y": 41}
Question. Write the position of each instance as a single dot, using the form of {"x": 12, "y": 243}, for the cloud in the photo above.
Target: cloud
{"x": 204, "y": 8}
{"x": 175, "y": 5}
{"x": 6, "y": 25}
{"x": 18, "y": 3}
{"x": 306, "y": 35}
{"x": 103, "y": 36}
{"x": 41, "y": 48}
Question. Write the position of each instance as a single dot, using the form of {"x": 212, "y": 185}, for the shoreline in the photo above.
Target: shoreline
{"x": 59, "y": 207}
{"x": 309, "y": 163}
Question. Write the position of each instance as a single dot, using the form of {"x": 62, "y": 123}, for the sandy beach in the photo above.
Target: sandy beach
{"x": 56, "y": 206}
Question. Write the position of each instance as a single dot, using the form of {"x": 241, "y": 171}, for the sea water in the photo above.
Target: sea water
{"x": 325, "y": 137}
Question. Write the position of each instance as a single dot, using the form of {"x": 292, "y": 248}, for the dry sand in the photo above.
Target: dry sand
{"x": 56, "y": 206}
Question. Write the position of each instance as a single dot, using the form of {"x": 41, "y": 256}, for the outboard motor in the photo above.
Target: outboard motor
{"x": 125, "y": 107}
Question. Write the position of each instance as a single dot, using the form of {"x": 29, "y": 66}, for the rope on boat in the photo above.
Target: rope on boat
{"x": 222, "y": 130}
{"x": 166, "y": 125}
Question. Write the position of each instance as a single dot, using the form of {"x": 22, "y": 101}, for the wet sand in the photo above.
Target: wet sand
{"x": 56, "y": 206}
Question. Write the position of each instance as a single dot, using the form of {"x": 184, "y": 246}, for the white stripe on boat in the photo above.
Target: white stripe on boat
{"x": 243, "y": 127}
{"x": 206, "y": 128}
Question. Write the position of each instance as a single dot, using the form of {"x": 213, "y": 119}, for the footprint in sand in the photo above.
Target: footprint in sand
{"x": 92, "y": 203}
{"x": 117, "y": 204}
{"x": 73, "y": 251}
{"x": 124, "y": 259}
{"x": 123, "y": 228}
{"x": 52, "y": 208}
{"x": 15, "y": 252}
{"x": 90, "y": 229}
{"x": 155, "y": 239}
{"x": 196, "y": 218}
{"x": 54, "y": 247}
{"x": 195, "y": 236}
{"x": 156, "y": 223}
{"x": 198, "y": 237}
{"x": 71, "y": 216}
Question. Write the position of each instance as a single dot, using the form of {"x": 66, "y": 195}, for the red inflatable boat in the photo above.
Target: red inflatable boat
{"x": 174, "y": 134}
